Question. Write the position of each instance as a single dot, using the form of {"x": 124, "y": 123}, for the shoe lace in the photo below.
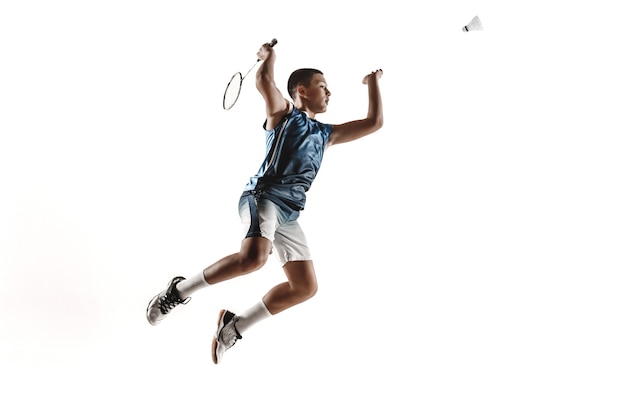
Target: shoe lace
{"x": 171, "y": 300}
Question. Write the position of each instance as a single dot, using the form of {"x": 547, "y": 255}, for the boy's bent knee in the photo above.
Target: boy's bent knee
{"x": 302, "y": 279}
{"x": 301, "y": 293}
{"x": 252, "y": 262}
{"x": 308, "y": 291}
{"x": 254, "y": 253}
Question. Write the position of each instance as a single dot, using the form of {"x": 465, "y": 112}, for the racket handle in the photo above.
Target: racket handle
{"x": 273, "y": 42}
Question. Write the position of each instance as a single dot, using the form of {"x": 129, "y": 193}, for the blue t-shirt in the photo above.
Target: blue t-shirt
{"x": 293, "y": 155}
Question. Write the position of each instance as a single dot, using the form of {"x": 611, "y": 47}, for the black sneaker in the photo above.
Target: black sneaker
{"x": 164, "y": 302}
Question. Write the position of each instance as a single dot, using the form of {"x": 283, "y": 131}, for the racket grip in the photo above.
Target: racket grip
{"x": 273, "y": 42}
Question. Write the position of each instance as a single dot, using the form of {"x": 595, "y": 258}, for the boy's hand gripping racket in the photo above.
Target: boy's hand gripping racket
{"x": 234, "y": 85}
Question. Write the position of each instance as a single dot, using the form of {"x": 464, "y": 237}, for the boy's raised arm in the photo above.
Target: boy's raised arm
{"x": 276, "y": 106}
{"x": 356, "y": 129}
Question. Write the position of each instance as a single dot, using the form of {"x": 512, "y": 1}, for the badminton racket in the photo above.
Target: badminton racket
{"x": 234, "y": 85}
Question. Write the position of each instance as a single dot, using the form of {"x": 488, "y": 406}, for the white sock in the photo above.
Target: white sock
{"x": 190, "y": 285}
{"x": 255, "y": 314}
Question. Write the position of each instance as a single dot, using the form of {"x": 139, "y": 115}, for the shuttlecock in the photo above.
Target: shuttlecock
{"x": 473, "y": 25}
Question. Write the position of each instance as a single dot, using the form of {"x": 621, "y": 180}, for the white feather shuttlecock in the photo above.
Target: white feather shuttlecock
{"x": 475, "y": 24}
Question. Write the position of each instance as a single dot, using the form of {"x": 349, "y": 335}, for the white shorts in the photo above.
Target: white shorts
{"x": 263, "y": 218}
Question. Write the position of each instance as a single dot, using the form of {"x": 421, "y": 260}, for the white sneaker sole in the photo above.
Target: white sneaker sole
{"x": 220, "y": 326}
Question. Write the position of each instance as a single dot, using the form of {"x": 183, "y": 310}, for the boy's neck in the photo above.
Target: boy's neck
{"x": 303, "y": 109}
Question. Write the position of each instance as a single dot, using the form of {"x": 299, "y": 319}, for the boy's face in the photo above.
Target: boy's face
{"x": 316, "y": 94}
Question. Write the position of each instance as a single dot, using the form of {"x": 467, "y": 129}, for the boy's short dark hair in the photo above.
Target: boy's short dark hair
{"x": 301, "y": 76}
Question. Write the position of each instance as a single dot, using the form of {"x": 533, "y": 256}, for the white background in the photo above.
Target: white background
{"x": 470, "y": 254}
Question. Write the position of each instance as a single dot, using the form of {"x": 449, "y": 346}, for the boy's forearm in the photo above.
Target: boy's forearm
{"x": 375, "y": 108}
{"x": 265, "y": 73}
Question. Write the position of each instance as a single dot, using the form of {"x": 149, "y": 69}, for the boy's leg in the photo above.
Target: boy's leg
{"x": 300, "y": 286}
{"x": 260, "y": 221}
{"x": 252, "y": 255}
{"x": 292, "y": 250}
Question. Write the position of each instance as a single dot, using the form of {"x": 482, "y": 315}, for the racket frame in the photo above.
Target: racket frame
{"x": 233, "y": 78}
{"x": 241, "y": 78}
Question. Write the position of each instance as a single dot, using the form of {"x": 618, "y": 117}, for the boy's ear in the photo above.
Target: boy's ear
{"x": 300, "y": 90}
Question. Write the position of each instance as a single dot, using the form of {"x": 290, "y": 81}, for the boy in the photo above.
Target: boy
{"x": 272, "y": 200}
